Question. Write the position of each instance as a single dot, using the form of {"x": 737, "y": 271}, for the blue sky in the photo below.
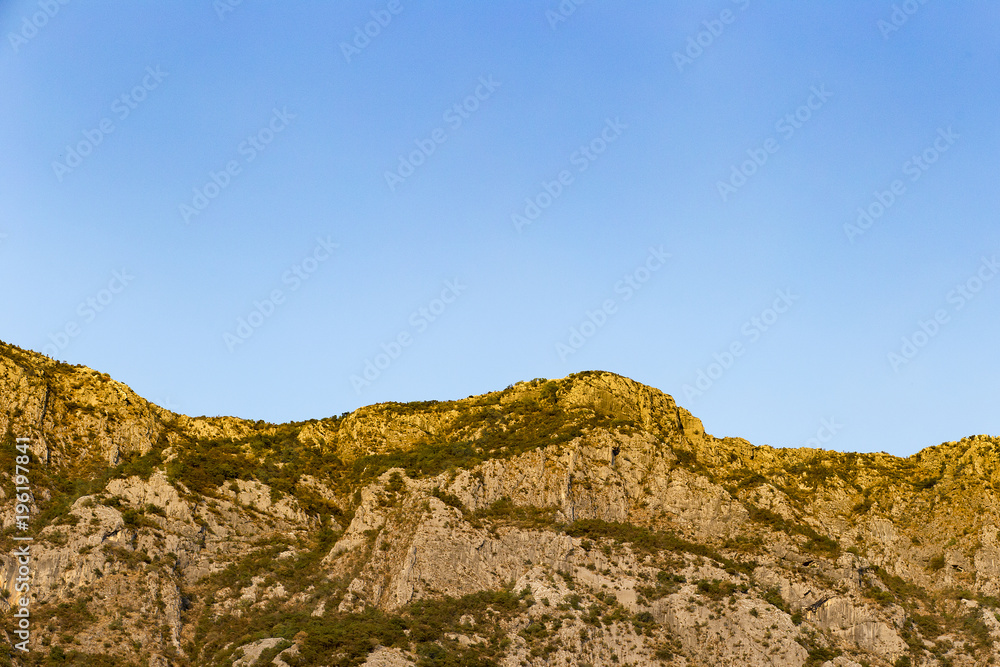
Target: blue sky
{"x": 242, "y": 209}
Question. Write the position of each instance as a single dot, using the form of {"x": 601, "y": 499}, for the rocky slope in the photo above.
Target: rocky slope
{"x": 582, "y": 521}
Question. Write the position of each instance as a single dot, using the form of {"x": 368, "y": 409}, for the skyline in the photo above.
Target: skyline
{"x": 783, "y": 216}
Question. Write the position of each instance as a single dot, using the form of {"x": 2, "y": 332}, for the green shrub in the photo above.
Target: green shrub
{"x": 140, "y": 466}
{"x": 819, "y": 655}
{"x": 350, "y": 639}
{"x": 821, "y": 545}
{"x": 664, "y": 654}
{"x": 717, "y": 590}
{"x": 395, "y": 484}
{"x": 449, "y": 499}
{"x": 155, "y": 509}
{"x": 68, "y": 519}
{"x": 929, "y": 626}
{"x": 901, "y": 588}
{"x": 666, "y": 584}
{"x": 534, "y": 631}
{"x": 132, "y": 518}
{"x": 977, "y": 629}
{"x": 877, "y": 594}
{"x": 773, "y": 596}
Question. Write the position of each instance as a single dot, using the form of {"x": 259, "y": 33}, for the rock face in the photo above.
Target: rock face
{"x": 585, "y": 521}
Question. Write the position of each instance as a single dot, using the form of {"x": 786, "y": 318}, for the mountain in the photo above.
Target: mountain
{"x": 585, "y": 521}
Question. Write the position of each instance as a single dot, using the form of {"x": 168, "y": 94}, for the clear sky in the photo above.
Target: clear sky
{"x": 783, "y": 214}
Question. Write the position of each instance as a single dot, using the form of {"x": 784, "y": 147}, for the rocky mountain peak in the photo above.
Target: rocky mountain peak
{"x": 587, "y": 520}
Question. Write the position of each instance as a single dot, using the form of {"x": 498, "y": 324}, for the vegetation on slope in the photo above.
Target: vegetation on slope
{"x": 936, "y": 620}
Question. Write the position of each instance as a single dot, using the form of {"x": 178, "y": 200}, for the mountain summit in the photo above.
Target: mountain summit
{"x": 585, "y": 521}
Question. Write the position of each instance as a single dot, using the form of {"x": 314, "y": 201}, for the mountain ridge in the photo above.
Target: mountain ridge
{"x": 397, "y": 506}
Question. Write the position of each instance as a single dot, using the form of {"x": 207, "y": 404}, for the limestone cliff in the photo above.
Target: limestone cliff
{"x": 582, "y": 521}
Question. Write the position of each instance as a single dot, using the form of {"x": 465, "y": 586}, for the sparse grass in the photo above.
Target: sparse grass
{"x": 717, "y": 590}
{"x": 449, "y": 499}
{"x": 666, "y": 584}
{"x": 816, "y": 543}
{"x": 345, "y": 640}
{"x": 651, "y": 541}
{"x": 505, "y": 512}
{"x": 483, "y": 433}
